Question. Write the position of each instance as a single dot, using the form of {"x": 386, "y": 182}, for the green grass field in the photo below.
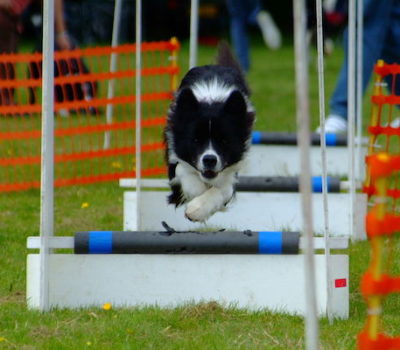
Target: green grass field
{"x": 205, "y": 326}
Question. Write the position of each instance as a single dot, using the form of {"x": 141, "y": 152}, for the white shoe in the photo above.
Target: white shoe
{"x": 269, "y": 30}
{"x": 334, "y": 124}
{"x": 395, "y": 123}
{"x": 63, "y": 113}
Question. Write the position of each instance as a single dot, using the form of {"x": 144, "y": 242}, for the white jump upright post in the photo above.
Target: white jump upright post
{"x": 321, "y": 91}
{"x": 113, "y": 68}
{"x": 359, "y": 89}
{"x": 303, "y": 127}
{"x": 138, "y": 105}
{"x": 47, "y": 175}
{"x": 351, "y": 108}
{"x": 194, "y": 30}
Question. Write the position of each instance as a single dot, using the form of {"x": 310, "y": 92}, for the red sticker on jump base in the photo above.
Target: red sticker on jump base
{"x": 340, "y": 283}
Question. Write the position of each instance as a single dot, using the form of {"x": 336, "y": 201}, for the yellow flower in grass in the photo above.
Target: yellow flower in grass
{"x": 2, "y": 339}
{"x": 107, "y": 306}
{"x": 85, "y": 205}
{"x": 116, "y": 165}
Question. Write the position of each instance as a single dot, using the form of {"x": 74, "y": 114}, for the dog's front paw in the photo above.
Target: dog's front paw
{"x": 197, "y": 210}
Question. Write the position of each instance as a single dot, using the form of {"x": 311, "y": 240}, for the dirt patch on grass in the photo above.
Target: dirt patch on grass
{"x": 16, "y": 297}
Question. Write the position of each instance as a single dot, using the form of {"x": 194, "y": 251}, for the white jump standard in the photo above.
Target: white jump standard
{"x": 248, "y": 210}
{"x": 271, "y": 278}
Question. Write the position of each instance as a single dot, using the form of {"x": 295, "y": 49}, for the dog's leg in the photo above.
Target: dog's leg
{"x": 211, "y": 201}
{"x": 190, "y": 182}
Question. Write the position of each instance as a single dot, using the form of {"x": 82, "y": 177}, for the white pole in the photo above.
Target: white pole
{"x": 303, "y": 127}
{"x": 194, "y": 28}
{"x": 351, "y": 109}
{"x": 138, "y": 107}
{"x": 47, "y": 164}
{"x": 113, "y": 68}
{"x": 321, "y": 89}
{"x": 359, "y": 104}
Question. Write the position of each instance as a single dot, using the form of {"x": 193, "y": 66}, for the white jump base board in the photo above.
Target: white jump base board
{"x": 253, "y": 282}
{"x": 257, "y": 211}
{"x": 275, "y": 160}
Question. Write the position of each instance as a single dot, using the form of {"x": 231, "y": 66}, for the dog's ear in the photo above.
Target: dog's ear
{"x": 251, "y": 116}
{"x": 186, "y": 101}
{"x": 235, "y": 105}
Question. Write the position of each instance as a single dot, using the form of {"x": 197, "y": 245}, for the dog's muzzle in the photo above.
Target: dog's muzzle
{"x": 208, "y": 164}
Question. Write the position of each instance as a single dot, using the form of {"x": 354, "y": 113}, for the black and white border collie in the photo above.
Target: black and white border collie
{"x": 208, "y": 134}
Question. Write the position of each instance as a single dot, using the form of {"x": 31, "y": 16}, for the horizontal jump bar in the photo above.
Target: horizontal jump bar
{"x": 288, "y": 138}
{"x": 222, "y": 242}
{"x": 285, "y": 184}
{"x": 257, "y": 183}
{"x": 68, "y": 242}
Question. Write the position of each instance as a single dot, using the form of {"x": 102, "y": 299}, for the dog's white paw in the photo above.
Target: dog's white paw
{"x": 198, "y": 210}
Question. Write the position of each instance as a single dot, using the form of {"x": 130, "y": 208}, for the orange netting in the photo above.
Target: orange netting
{"x": 91, "y": 144}
{"x": 383, "y": 219}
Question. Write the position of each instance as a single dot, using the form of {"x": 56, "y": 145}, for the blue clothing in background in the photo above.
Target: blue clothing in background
{"x": 381, "y": 41}
{"x": 242, "y": 14}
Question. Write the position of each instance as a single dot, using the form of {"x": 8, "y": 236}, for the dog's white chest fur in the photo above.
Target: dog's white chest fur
{"x": 205, "y": 198}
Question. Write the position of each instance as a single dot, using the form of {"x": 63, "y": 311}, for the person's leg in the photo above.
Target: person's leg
{"x": 253, "y": 8}
{"x": 8, "y": 44}
{"x": 391, "y": 47}
{"x": 269, "y": 30}
{"x": 376, "y": 24}
{"x": 238, "y": 29}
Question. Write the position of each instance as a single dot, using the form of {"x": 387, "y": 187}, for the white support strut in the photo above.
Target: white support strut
{"x": 303, "y": 130}
{"x": 194, "y": 28}
{"x": 351, "y": 106}
{"x": 321, "y": 90}
{"x": 47, "y": 174}
{"x": 113, "y": 68}
{"x": 138, "y": 91}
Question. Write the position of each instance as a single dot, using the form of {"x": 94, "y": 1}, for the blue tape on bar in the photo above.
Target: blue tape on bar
{"x": 316, "y": 183}
{"x": 330, "y": 139}
{"x": 255, "y": 137}
{"x": 270, "y": 242}
{"x": 100, "y": 242}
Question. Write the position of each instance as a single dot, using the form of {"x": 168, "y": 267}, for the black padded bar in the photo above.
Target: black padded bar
{"x": 221, "y": 242}
{"x": 283, "y": 184}
{"x": 289, "y": 138}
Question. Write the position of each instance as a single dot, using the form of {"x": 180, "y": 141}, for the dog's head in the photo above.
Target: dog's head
{"x": 210, "y": 131}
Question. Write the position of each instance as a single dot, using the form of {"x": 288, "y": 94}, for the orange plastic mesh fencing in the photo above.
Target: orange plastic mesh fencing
{"x": 383, "y": 219}
{"x": 94, "y": 128}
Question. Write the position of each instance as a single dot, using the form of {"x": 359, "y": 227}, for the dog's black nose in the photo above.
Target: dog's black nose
{"x": 209, "y": 161}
